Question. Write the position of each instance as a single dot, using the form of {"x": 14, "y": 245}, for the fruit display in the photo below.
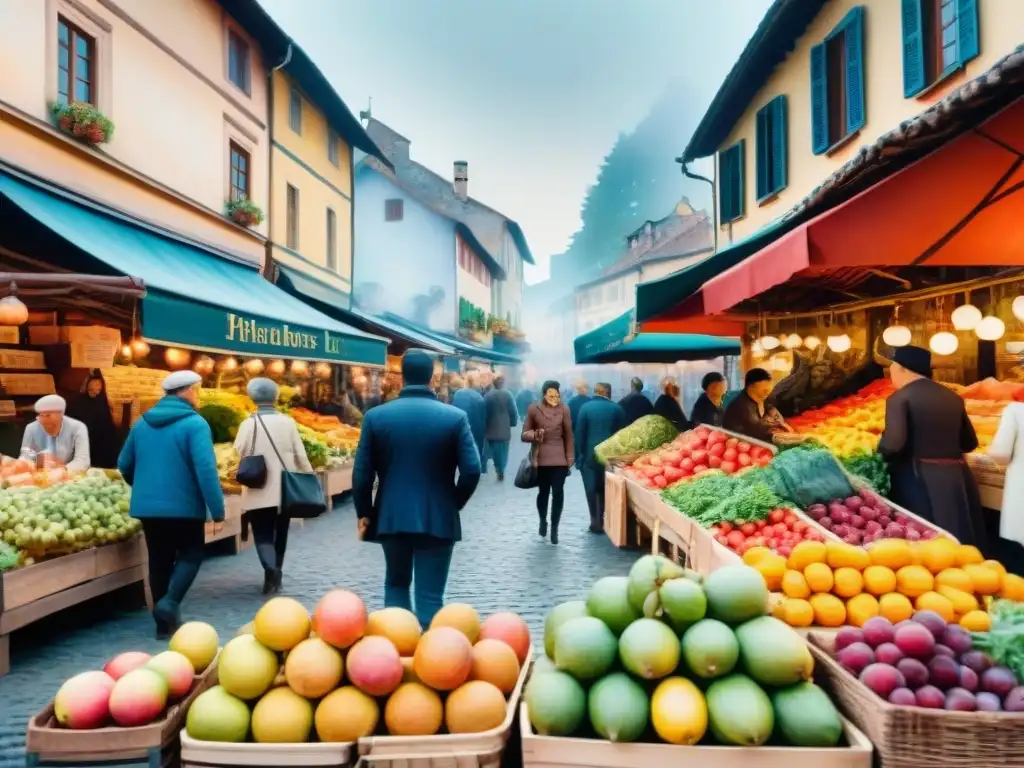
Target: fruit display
{"x": 664, "y": 653}
{"x": 227, "y": 467}
{"x": 865, "y": 517}
{"x": 134, "y": 688}
{"x": 830, "y": 584}
{"x": 16, "y": 473}
{"x": 923, "y": 661}
{"x": 783, "y": 529}
{"x": 1004, "y": 639}
{"x": 694, "y": 453}
{"x": 342, "y": 673}
{"x": 643, "y": 435}
{"x": 89, "y": 511}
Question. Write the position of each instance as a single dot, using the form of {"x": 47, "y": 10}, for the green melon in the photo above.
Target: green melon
{"x": 618, "y": 707}
{"x": 556, "y": 703}
{"x": 736, "y": 593}
{"x": 585, "y": 648}
{"x": 556, "y": 617}
{"x": 649, "y": 649}
{"x": 609, "y": 602}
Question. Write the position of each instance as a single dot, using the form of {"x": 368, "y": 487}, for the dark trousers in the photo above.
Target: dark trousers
{"x": 175, "y": 549}
{"x": 270, "y": 535}
{"x": 551, "y": 484}
{"x": 593, "y": 485}
{"x": 423, "y": 558}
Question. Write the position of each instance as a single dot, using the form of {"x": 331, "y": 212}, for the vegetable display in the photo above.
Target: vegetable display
{"x": 864, "y": 517}
{"x": 694, "y": 453}
{"x": 810, "y": 476}
{"x": 870, "y": 467}
{"x": 644, "y": 434}
{"x": 780, "y": 531}
{"x": 223, "y": 420}
{"x": 1004, "y": 641}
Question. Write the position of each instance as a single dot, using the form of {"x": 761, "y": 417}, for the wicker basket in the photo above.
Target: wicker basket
{"x": 911, "y": 737}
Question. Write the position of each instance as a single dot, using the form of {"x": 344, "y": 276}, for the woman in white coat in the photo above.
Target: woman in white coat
{"x": 1008, "y": 449}
{"x": 262, "y": 505}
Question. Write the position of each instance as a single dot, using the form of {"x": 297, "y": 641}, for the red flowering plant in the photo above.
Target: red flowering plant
{"x": 83, "y": 121}
{"x": 244, "y": 212}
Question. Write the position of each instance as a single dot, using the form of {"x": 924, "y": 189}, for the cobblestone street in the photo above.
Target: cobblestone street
{"x": 500, "y": 564}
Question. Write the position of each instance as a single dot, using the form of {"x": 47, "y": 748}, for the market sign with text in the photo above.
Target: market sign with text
{"x": 173, "y": 321}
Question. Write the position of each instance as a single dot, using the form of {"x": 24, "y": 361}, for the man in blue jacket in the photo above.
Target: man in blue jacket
{"x": 168, "y": 461}
{"x": 413, "y": 446}
{"x": 598, "y": 420}
{"x": 471, "y": 402}
{"x": 577, "y": 401}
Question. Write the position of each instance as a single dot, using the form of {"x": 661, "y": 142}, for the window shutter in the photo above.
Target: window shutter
{"x": 967, "y": 29}
{"x": 779, "y": 142}
{"x": 855, "y": 70}
{"x": 819, "y": 100}
{"x": 913, "y": 49}
{"x": 739, "y": 166}
{"x": 762, "y": 153}
{"x": 725, "y": 186}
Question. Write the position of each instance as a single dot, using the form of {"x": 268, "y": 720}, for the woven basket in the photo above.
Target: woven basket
{"x": 984, "y": 472}
{"x": 911, "y": 737}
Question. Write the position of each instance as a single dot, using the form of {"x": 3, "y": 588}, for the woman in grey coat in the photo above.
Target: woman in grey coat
{"x": 502, "y": 415}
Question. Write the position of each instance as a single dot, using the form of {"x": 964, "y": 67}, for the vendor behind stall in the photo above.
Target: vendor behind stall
{"x": 63, "y": 439}
{"x": 93, "y": 409}
{"x": 750, "y": 414}
{"x": 709, "y": 408}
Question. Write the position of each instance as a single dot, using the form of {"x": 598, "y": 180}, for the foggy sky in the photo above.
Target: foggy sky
{"x": 531, "y": 93}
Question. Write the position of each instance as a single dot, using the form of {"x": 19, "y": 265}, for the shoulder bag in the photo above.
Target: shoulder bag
{"x": 252, "y": 469}
{"x": 526, "y": 475}
{"x": 301, "y": 493}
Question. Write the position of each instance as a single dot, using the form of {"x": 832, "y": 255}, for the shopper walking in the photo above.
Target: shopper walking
{"x": 549, "y": 427}
{"x": 471, "y": 402}
{"x": 577, "y": 401}
{"x": 92, "y": 408}
{"x": 524, "y": 399}
{"x": 636, "y": 404}
{"x": 168, "y": 461}
{"x": 598, "y": 420}
{"x": 667, "y": 405}
{"x": 501, "y": 417}
{"x": 413, "y": 447}
{"x": 274, "y": 436}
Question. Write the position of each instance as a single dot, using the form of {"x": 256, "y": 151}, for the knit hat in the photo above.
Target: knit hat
{"x": 915, "y": 359}
{"x": 417, "y": 368}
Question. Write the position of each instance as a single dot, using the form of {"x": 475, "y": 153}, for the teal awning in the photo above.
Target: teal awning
{"x": 195, "y": 298}
{"x": 605, "y": 338}
{"x": 462, "y": 348}
{"x": 335, "y": 303}
{"x": 664, "y": 348}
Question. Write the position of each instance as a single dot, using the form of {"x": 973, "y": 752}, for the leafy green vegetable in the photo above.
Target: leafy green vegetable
{"x": 223, "y": 421}
{"x": 316, "y": 452}
{"x": 644, "y": 434}
{"x": 811, "y": 476}
{"x": 763, "y": 475}
{"x": 9, "y": 557}
{"x": 872, "y": 467}
{"x": 1005, "y": 641}
{"x": 746, "y": 505}
{"x": 694, "y": 498}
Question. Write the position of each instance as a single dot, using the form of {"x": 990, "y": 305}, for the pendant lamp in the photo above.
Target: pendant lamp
{"x": 991, "y": 328}
{"x": 966, "y": 317}
{"x": 944, "y": 343}
{"x": 840, "y": 343}
{"x": 768, "y": 343}
{"x": 793, "y": 341}
{"x": 812, "y": 342}
{"x": 1018, "y": 308}
{"x": 896, "y": 335}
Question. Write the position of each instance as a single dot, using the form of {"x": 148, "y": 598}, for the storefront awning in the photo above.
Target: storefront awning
{"x": 461, "y": 348}
{"x": 334, "y": 303}
{"x": 615, "y": 342}
{"x": 195, "y": 299}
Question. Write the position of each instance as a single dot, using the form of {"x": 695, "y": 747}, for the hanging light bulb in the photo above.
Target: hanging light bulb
{"x": 126, "y": 352}
{"x": 177, "y": 359}
{"x": 768, "y": 343}
{"x": 300, "y": 368}
{"x": 276, "y": 367}
{"x": 13, "y": 310}
{"x": 781, "y": 364}
{"x": 139, "y": 348}
{"x": 965, "y": 317}
{"x": 944, "y": 343}
{"x": 756, "y": 349}
{"x": 990, "y": 328}
{"x": 793, "y": 341}
{"x": 323, "y": 370}
{"x": 812, "y": 342}
{"x": 204, "y": 365}
{"x": 1018, "y": 308}
{"x": 840, "y": 343}
{"x": 228, "y": 364}
{"x": 896, "y": 336}
{"x": 253, "y": 367}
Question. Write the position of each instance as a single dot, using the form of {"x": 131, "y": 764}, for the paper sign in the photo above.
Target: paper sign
{"x": 90, "y": 333}
{"x": 10, "y": 334}
{"x": 7, "y": 408}
{"x": 93, "y": 354}
{"x": 25, "y": 359}
{"x": 27, "y": 383}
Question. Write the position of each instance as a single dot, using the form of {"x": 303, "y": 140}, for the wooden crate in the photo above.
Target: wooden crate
{"x": 47, "y": 743}
{"x": 615, "y": 509}
{"x": 339, "y": 480}
{"x": 233, "y": 526}
{"x": 554, "y": 752}
{"x": 212, "y": 754}
{"x": 469, "y": 750}
{"x": 31, "y": 593}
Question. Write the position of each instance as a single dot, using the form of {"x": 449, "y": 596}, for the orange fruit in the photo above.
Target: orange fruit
{"x": 795, "y": 585}
{"x": 1013, "y": 588}
{"x": 796, "y": 612}
{"x": 848, "y": 582}
{"x": 819, "y": 577}
{"x": 753, "y": 555}
{"x": 860, "y": 608}
{"x": 968, "y": 555}
{"x": 933, "y": 601}
{"x": 957, "y": 578}
{"x": 914, "y": 580}
{"x": 841, "y": 555}
{"x": 963, "y": 602}
{"x": 976, "y": 621}
{"x": 879, "y": 580}
{"x": 996, "y": 566}
{"x": 829, "y": 610}
{"x": 895, "y": 607}
{"x": 459, "y": 616}
{"x": 892, "y": 553}
{"x": 772, "y": 567}
{"x": 938, "y": 554}
{"x": 805, "y": 553}
{"x": 986, "y": 581}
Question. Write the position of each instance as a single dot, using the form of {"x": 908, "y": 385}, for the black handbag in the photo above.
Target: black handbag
{"x": 302, "y": 496}
{"x": 526, "y": 475}
{"x": 252, "y": 469}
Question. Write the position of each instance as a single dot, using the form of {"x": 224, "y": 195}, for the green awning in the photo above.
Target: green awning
{"x": 335, "y": 303}
{"x": 656, "y": 297}
{"x": 605, "y": 338}
{"x": 195, "y": 298}
{"x": 664, "y": 348}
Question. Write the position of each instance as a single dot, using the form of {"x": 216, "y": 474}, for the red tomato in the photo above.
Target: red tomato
{"x": 772, "y": 543}
{"x": 687, "y": 464}
{"x": 652, "y": 471}
{"x": 725, "y": 527}
{"x": 800, "y": 526}
{"x": 660, "y": 481}
{"x": 727, "y": 466}
{"x": 743, "y": 447}
{"x": 789, "y": 519}
{"x": 714, "y": 462}
{"x": 655, "y": 460}
{"x": 780, "y": 528}
{"x": 700, "y": 469}
{"x": 673, "y": 473}
{"x": 764, "y": 461}
{"x": 776, "y": 516}
{"x": 699, "y": 456}
{"x": 761, "y": 524}
{"x": 716, "y": 437}
{"x": 730, "y": 454}
{"x": 735, "y": 538}
{"x": 716, "y": 450}
{"x": 748, "y": 529}
{"x": 722, "y": 540}
{"x": 702, "y": 432}
{"x": 671, "y": 457}
{"x": 641, "y": 461}
{"x": 732, "y": 442}
{"x": 744, "y": 460}
{"x": 785, "y": 550}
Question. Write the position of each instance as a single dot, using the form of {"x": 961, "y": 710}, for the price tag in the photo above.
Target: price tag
{"x": 24, "y": 359}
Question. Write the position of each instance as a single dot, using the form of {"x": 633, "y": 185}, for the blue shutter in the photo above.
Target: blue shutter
{"x": 913, "y": 49}
{"x": 967, "y": 30}
{"x": 854, "y": 32}
{"x": 763, "y": 153}
{"x": 779, "y": 142}
{"x": 724, "y": 186}
{"x": 740, "y": 166}
{"x": 819, "y": 100}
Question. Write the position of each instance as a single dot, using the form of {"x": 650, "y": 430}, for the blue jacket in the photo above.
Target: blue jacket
{"x": 502, "y": 414}
{"x": 598, "y": 420}
{"x": 523, "y": 400}
{"x": 471, "y": 402}
{"x": 413, "y": 445}
{"x": 169, "y": 463}
{"x": 575, "y": 403}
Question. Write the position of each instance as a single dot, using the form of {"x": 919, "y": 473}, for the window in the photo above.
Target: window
{"x": 771, "y": 148}
{"x": 939, "y": 37}
{"x": 239, "y": 67}
{"x": 394, "y": 210}
{"x": 730, "y": 183}
{"x": 292, "y": 222}
{"x": 239, "y": 172}
{"x": 333, "y": 148}
{"x": 611, "y": 292}
{"x": 332, "y": 240}
{"x": 295, "y": 110}
{"x": 76, "y": 64}
{"x": 837, "y": 83}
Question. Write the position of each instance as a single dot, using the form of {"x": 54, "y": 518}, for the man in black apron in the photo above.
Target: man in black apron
{"x": 927, "y": 433}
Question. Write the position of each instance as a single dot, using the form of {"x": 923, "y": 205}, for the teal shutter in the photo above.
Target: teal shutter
{"x": 967, "y": 30}
{"x": 819, "y": 100}
{"x": 854, "y": 31}
{"x": 725, "y": 186}
{"x": 740, "y": 172}
{"x": 763, "y": 153}
{"x": 913, "y": 49}
{"x": 779, "y": 142}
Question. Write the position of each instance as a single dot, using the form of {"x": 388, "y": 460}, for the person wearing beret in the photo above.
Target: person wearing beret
{"x": 168, "y": 461}
{"x": 66, "y": 440}
{"x": 927, "y": 432}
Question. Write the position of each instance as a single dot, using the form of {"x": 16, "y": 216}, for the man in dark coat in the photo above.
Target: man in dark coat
{"x": 636, "y": 404}
{"x": 413, "y": 447}
{"x": 667, "y": 405}
{"x": 524, "y": 399}
{"x": 709, "y": 408}
{"x": 927, "y": 433}
{"x": 501, "y": 417}
{"x": 598, "y": 420}
{"x": 577, "y": 401}
{"x": 471, "y": 402}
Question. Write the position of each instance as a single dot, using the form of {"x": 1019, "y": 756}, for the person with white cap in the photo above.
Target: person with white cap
{"x": 63, "y": 439}
{"x": 168, "y": 461}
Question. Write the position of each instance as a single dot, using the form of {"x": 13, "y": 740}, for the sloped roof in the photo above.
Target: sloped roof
{"x": 436, "y": 191}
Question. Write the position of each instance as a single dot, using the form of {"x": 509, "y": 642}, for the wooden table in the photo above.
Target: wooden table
{"x": 232, "y": 529}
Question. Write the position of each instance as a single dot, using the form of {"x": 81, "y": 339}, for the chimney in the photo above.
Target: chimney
{"x": 460, "y": 181}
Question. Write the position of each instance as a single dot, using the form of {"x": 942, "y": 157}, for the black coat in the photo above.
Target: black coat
{"x": 706, "y": 412}
{"x": 743, "y": 417}
{"x": 635, "y": 405}
{"x": 669, "y": 408}
{"x": 927, "y": 432}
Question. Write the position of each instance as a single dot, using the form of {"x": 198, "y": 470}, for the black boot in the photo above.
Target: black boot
{"x": 554, "y": 527}
{"x": 278, "y": 578}
{"x": 268, "y": 581}
{"x": 543, "y": 530}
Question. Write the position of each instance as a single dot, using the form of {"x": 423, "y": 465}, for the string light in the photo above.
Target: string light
{"x": 793, "y": 341}
{"x": 896, "y": 336}
{"x": 839, "y": 343}
{"x": 254, "y": 367}
{"x": 204, "y": 365}
{"x": 177, "y": 358}
{"x": 991, "y": 328}
{"x": 944, "y": 343}
{"x": 276, "y": 367}
{"x": 966, "y": 317}
{"x": 812, "y": 342}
